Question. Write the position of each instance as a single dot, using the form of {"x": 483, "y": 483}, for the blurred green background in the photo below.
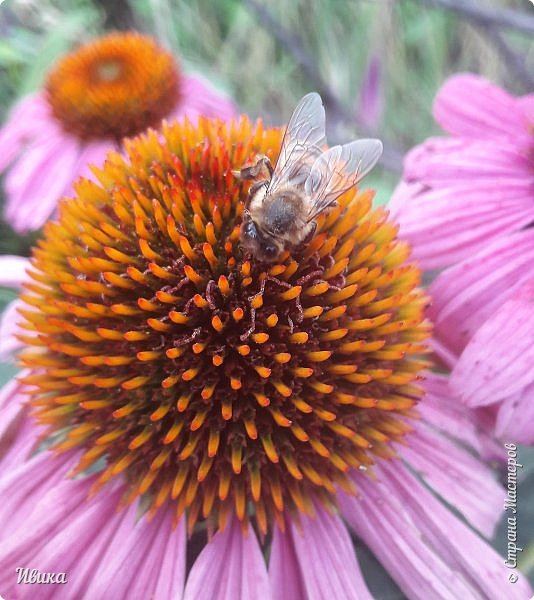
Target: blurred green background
{"x": 266, "y": 55}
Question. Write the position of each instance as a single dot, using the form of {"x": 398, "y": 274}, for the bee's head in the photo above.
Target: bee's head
{"x": 263, "y": 247}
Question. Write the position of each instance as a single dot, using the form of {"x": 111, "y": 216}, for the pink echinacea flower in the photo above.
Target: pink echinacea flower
{"x": 466, "y": 205}
{"x": 461, "y": 192}
{"x": 243, "y": 408}
{"x": 113, "y": 87}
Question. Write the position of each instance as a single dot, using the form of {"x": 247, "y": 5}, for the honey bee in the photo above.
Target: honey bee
{"x": 283, "y": 203}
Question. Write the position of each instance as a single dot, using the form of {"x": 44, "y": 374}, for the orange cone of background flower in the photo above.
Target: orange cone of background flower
{"x": 113, "y": 87}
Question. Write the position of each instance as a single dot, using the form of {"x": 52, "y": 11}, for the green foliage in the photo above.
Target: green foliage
{"x": 6, "y": 296}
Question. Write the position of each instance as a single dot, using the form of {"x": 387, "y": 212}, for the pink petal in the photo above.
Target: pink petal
{"x": 436, "y": 451}
{"x": 38, "y": 180}
{"x": 527, "y": 105}
{"x": 402, "y": 198}
{"x": 321, "y": 556}
{"x": 199, "y": 97}
{"x": 93, "y": 153}
{"x": 230, "y": 567}
{"x": 445, "y": 161}
{"x": 24, "y": 445}
{"x": 426, "y": 549}
{"x": 287, "y": 580}
{"x": 468, "y": 427}
{"x": 23, "y": 487}
{"x": 515, "y": 419}
{"x": 74, "y": 545}
{"x": 447, "y": 224}
{"x": 22, "y": 126}
{"x": 468, "y": 191}
{"x": 456, "y": 475}
{"x": 148, "y": 555}
{"x": 381, "y": 520}
{"x": 489, "y": 449}
{"x": 470, "y": 106}
{"x": 498, "y": 361}
{"x": 13, "y": 270}
{"x": 466, "y": 295}
{"x": 18, "y": 430}
{"x": 447, "y": 358}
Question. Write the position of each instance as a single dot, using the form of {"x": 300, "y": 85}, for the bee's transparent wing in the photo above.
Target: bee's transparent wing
{"x": 337, "y": 170}
{"x": 304, "y": 140}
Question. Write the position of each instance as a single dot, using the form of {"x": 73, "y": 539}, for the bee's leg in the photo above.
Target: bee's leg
{"x": 262, "y": 167}
{"x": 311, "y": 232}
{"x": 253, "y": 189}
{"x": 267, "y": 164}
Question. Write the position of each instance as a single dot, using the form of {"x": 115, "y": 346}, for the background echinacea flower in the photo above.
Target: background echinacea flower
{"x": 12, "y": 274}
{"x": 466, "y": 203}
{"x": 460, "y": 192}
{"x": 115, "y": 86}
{"x": 483, "y": 310}
{"x": 259, "y": 408}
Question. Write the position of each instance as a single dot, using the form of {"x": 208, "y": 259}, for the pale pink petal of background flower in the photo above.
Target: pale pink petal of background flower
{"x": 467, "y": 294}
{"x": 470, "y": 106}
{"x": 459, "y": 194}
{"x": 230, "y": 567}
{"x": 13, "y": 270}
{"x": 402, "y": 197}
{"x": 144, "y": 559}
{"x": 199, "y": 97}
{"x": 12, "y": 274}
{"x": 37, "y": 181}
{"x": 27, "y": 117}
{"x": 93, "y": 153}
{"x": 497, "y": 361}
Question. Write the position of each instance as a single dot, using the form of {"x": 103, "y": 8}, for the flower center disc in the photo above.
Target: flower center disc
{"x": 116, "y": 86}
{"x": 204, "y": 377}
{"x": 110, "y": 71}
